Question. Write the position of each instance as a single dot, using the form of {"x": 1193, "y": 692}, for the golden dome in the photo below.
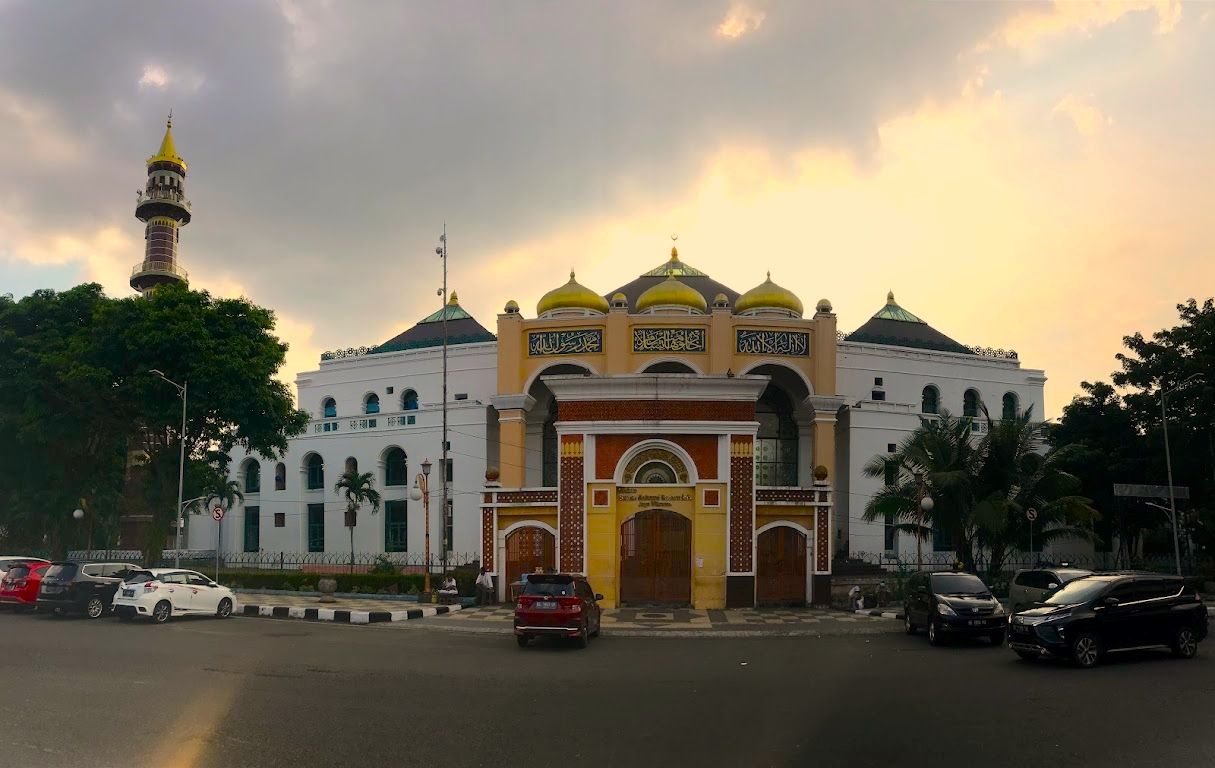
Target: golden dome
{"x": 671, "y": 293}
{"x": 167, "y": 152}
{"x": 511, "y": 308}
{"x": 769, "y": 295}
{"x": 572, "y": 295}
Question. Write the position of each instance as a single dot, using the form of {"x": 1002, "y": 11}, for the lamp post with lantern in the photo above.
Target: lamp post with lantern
{"x": 926, "y": 506}
{"x": 421, "y": 490}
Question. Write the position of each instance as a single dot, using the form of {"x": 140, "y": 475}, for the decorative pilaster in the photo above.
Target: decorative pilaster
{"x": 571, "y": 503}
{"x": 742, "y": 503}
{"x": 487, "y": 531}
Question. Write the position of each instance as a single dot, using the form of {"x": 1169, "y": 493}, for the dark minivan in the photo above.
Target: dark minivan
{"x": 955, "y": 604}
{"x": 77, "y": 588}
{"x": 1085, "y": 618}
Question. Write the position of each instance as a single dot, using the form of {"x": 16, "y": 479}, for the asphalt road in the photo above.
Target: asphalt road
{"x": 260, "y": 692}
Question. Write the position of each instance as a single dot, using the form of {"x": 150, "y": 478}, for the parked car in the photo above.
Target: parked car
{"x": 1093, "y": 615}
{"x": 19, "y": 587}
{"x": 1032, "y": 584}
{"x": 953, "y": 604}
{"x": 557, "y": 604}
{"x": 161, "y": 593}
{"x": 8, "y": 561}
{"x": 76, "y": 588}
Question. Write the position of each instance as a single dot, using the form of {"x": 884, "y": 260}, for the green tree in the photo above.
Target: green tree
{"x": 359, "y": 490}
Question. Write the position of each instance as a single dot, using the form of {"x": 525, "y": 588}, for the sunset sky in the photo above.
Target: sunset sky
{"x": 1038, "y": 177}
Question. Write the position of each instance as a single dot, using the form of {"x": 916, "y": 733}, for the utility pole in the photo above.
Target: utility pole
{"x": 441, "y": 250}
{"x": 1168, "y": 462}
{"x": 181, "y": 466}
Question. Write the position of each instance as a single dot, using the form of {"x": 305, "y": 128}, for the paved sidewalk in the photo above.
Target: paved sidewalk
{"x": 660, "y": 622}
{"x": 342, "y": 610}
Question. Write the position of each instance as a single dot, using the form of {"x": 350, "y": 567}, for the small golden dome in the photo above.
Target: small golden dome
{"x": 721, "y": 300}
{"x": 769, "y": 295}
{"x": 620, "y": 301}
{"x": 572, "y": 295}
{"x": 671, "y": 293}
{"x": 823, "y": 306}
{"x": 453, "y": 300}
{"x": 512, "y": 307}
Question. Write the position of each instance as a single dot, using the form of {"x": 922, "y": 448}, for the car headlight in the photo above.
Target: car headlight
{"x": 945, "y": 610}
{"x": 999, "y": 611}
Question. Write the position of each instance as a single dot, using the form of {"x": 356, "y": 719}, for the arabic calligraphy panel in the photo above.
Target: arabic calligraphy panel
{"x": 668, "y": 339}
{"x": 577, "y": 342}
{"x": 784, "y": 343}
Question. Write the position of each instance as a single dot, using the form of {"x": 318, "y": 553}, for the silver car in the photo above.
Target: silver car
{"x": 1033, "y": 584}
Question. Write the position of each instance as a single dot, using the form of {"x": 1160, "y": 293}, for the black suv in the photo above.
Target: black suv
{"x": 1085, "y": 618}
{"x": 953, "y": 603}
{"x": 76, "y": 588}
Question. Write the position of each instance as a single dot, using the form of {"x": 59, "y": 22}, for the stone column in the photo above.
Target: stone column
{"x": 512, "y": 438}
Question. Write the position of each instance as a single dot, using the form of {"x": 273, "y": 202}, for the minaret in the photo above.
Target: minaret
{"x": 163, "y": 207}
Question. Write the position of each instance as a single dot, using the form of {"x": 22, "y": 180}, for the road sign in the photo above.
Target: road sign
{"x": 1151, "y": 491}
{"x": 1031, "y": 514}
{"x": 217, "y": 513}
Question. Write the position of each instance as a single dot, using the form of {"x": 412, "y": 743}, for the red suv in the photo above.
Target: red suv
{"x": 557, "y": 604}
{"x": 20, "y": 585}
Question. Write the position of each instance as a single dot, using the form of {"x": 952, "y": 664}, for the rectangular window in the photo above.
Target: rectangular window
{"x": 388, "y": 391}
{"x": 395, "y": 534}
{"x": 891, "y": 475}
{"x": 888, "y": 531}
{"x": 450, "y": 477}
{"x": 252, "y": 529}
{"x": 447, "y": 528}
{"x": 411, "y": 419}
{"x": 280, "y": 519}
{"x": 316, "y": 527}
{"x": 878, "y": 395}
{"x": 877, "y": 381}
{"x": 941, "y": 541}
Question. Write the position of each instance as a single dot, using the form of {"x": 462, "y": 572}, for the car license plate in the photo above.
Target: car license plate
{"x": 977, "y": 622}
{"x": 128, "y": 593}
{"x": 545, "y": 605}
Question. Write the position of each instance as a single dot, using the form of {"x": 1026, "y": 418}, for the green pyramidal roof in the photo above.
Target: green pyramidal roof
{"x": 674, "y": 267}
{"x": 453, "y": 312}
{"x": 892, "y": 311}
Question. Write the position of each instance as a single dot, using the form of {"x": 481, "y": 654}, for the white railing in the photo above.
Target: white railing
{"x": 160, "y": 267}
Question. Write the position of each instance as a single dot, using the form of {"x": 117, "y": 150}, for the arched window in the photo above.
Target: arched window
{"x": 280, "y": 477}
{"x": 409, "y": 400}
{"x": 970, "y": 403}
{"x": 329, "y": 408}
{"x": 316, "y": 472}
{"x": 352, "y": 464}
{"x": 396, "y": 468}
{"x": 669, "y": 366}
{"x": 1010, "y": 406}
{"x": 253, "y": 477}
{"x": 655, "y": 473}
{"x": 776, "y": 444}
{"x": 372, "y": 403}
{"x": 930, "y": 400}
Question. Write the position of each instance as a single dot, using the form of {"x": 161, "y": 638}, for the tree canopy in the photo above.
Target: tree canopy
{"x": 85, "y": 422}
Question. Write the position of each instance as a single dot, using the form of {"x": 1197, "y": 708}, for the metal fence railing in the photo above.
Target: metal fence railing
{"x": 1014, "y": 561}
{"x": 305, "y": 562}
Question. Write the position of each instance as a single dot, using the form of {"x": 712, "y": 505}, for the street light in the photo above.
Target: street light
{"x": 181, "y": 465}
{"x": 926, "y": 506}
{"x": 421, "y": 490}
{"x": 1172, "y": 515}
{"x": 1168, "y": 461}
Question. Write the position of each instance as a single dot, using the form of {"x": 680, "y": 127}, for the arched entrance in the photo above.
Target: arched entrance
{"x": 780, "y": 567}
{"x": 528, "y": 548}
{"x": 656, "y": 559}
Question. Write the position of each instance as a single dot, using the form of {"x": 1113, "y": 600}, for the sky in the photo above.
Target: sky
{"x": 1038, "y": 177}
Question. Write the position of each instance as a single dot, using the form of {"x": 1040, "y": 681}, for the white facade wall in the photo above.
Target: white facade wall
{"x": 472, "y": 372}
{"x": 869, "y": 427}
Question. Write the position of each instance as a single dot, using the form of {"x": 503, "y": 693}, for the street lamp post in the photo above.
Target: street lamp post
{"x": 1168, "y": 461}
{"x": 926, "y": 506}
{"x": 421, "y": 490}
{"x": 181, "y": 463}
{"x": 78, "y": 515}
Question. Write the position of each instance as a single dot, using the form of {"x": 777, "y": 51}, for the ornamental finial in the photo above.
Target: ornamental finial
{"x": 890, "y": 297}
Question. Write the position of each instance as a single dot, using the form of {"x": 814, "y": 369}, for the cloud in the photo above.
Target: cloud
{"x": 154, "y": 76}
{"x": 1042, "y": 23}
{"x": 741, "y": 19}
{"x": 1087, "y": 118}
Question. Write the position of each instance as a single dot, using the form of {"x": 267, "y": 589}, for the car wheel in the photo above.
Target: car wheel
{"x": 997, "y": 638}
{"x": 162, "y": 612}
{"x": 1086, "y": 650}
{"x": 584, "y": 638}
{"x": 225, "y": 608}
{"x": 522, "y": 640}
{"x": 1185, "y": 643}
{"x": 94, "y": 608}
{"x": 908, "y": 627}
{"x": 1027, "y": 655}
{"x": 598, "y": 626}
{"x": 934, "y": 637}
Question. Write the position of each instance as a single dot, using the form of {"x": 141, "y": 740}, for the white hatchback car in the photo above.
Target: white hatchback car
{"x": 161, "y": 593}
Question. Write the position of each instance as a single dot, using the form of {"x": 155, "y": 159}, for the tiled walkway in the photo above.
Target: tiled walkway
{"x": 744, "y": 619}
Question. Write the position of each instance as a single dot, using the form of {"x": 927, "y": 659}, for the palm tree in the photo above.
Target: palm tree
{"x": 359, "y": 490}
{"x": 222, "y": 491}
{"x": 938, "y": 459}
{"x": 1017, "y": 477}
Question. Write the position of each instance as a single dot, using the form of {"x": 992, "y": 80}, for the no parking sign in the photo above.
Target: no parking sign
{"x": 217, "y": 513}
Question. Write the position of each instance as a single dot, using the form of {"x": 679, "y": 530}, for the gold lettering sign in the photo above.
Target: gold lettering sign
{"x": 652, "y": 497}
{"x": 668, "y": 339}
{"x": 784, "y": 343}
{"x": 579, "y": 342}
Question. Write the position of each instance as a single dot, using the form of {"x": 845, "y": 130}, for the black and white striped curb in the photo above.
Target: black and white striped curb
{"x": 344, "y": 616}
{"x": 880, "y": 614}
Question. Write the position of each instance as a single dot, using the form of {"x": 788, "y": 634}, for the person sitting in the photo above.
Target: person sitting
{"x": 448, "y": 592}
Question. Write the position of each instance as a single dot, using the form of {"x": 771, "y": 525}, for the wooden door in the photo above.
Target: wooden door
{"x": 656, "y": 559}
{"x": 529, "y": 548}
{"x": 780, "y": 572}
